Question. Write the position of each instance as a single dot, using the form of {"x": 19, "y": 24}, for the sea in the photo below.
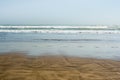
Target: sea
{"x": 91, "y": 41}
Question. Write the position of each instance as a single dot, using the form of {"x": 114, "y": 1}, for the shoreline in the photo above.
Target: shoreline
{"x": 19, "y": 66}
{"x": 27, "y": 55}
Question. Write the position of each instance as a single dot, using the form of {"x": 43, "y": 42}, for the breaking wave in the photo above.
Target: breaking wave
{"x": 60, "y": 29}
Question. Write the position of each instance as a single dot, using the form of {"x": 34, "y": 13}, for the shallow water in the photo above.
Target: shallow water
{"x": 105, "y": 46}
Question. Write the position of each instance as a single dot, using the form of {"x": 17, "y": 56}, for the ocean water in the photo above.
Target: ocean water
{"x": 83, "y": 41}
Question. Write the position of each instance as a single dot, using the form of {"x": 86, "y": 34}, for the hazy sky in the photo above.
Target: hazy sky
{"x": 60, "y": 12}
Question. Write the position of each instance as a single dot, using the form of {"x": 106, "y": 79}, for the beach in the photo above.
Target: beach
{"x": 60, "y": 40}
{"x": 59, "y": 53}
{"x": 19, "y": 66}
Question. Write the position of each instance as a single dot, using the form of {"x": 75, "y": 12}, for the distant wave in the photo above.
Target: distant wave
{"x": 37, "y": 40}
{"x": 71, "y": 39}
{"x": 59, "y": 29}
{"x": 53, "y": 26}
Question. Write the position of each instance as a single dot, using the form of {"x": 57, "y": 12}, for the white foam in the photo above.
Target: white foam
{"x": 101, "y": 29}
{"x": 54, "y": 27}
{"x": 62, "y": 31}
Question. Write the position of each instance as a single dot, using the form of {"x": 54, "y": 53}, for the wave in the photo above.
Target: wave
{"x": 53, "y": 26}
{"x": 71, "y": 39}
{"x": 59, "y": 29}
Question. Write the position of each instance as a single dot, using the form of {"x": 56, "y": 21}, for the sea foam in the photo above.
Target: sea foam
{"x": 59, "y": 29}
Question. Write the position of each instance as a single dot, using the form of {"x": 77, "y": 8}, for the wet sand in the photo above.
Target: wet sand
{"x": 17, "y": 66}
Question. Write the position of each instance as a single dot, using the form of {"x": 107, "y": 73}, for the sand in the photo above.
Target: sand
{"x": 17, "y": 66}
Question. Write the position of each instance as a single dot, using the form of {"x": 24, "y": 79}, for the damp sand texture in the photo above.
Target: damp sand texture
{"x": 21, "y": 67}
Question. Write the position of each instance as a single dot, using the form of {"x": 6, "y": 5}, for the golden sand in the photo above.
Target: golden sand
{"x": 21, "y": 67}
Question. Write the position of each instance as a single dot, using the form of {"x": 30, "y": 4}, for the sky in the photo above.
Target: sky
{"x": 83, "y": 12}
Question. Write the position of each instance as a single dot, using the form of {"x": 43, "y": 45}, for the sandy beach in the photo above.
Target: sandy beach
{"x": 17, "y": 66}
{"x": 60, "y": 40}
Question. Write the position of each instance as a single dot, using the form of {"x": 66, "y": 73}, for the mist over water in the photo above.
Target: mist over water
{"x": 83, "y": 41}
